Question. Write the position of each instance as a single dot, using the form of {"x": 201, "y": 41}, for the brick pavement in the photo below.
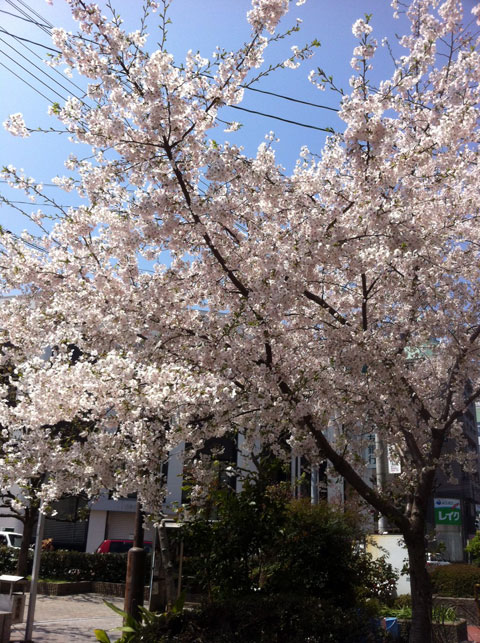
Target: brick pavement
{"x": 70, "y": 619}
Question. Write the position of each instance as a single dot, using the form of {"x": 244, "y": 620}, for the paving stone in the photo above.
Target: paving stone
{"x": 72, "y": 619}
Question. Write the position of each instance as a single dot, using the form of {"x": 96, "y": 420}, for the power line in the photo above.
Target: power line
{"x": 47, "y": 22}
{"x": 36, "y": 66}
{"x": 32, "y": 42}
{"x": 68, "y": 80}
{"x": 14, "y": 15}
{"x": 26, "y": 83}
{"x": 248, "y": 87}
{"x": 25, "y": 241}
{"x": 42, "y": 27}
{"x": 284, "y": 120}
{"x": 290, "y": 98}
{"x": 244, "y": 109}
{"x": 47, "y": 185}
{"x": 31, "y": 74}
{"x": 254, "y": 89}
{"x": 43, "y": 205}
{"x": 282, "y": 96}
{"x": 45, "y": 251}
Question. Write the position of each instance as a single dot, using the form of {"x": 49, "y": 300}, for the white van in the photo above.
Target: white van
{"x": 10, "y": 539}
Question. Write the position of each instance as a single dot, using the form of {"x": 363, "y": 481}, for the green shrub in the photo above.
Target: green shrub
{"x": 473, "y": 548}
{"x": 8, "y": 560}
{"x": 279, "y": 618}
{"x": 78, "y": 566}
{"x": 403, "y": 600}
{"x": 440, "y": 613}
{"x": 228, "y": 556}
{"x": 263, "y": 619}
{"x": 456, "y": 580}
{"x": 73, "y": 565}
{"x": 262, "y": 542}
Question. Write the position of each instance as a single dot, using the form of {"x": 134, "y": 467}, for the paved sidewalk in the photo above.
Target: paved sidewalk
{"x": 70, "y": 619}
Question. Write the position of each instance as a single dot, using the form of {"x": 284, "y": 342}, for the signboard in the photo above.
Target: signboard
{"x": 394, "y": 465}
{"x": 447, "y": 511}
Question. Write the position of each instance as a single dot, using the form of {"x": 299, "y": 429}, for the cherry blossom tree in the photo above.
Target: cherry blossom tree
{"x": 347, "y": 289}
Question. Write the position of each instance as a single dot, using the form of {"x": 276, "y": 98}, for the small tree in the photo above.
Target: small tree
{"x": 473, "y": 548}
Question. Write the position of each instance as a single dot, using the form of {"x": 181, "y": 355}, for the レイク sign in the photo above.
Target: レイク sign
{"x": 447, "y": 511}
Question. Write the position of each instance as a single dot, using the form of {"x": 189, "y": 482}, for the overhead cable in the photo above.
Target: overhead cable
{"x": 32, "y": 42}
{"x": 284, "y": 120}
{"x": 47, "y": 22}
{"x": 14, "y": 15}
{"x": 66, "y": 78}
{"x": 31, "y": 74}
{"x": 20, "y": 10}
{"x": 37, "y": 67}
{"x": 27, "y": 83}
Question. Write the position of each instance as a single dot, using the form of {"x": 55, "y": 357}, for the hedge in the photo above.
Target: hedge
{"x": 457, "y": 580}
{"x": 73, "y": 565}
{"x": 264, "y": 619}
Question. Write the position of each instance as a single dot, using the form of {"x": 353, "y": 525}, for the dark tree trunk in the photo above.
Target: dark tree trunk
{"x": 421, "y": 590}
{"x": 29, "y": 519}
{"x": 135, "y": 580}
{"x": 167, "y": 565}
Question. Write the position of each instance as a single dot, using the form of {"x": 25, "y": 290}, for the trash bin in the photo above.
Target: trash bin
{"x": 14, "y": 601}
{"x": 391, "y": 625}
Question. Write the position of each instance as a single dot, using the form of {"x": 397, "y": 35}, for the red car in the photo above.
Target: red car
{"x": 113, "y": 546}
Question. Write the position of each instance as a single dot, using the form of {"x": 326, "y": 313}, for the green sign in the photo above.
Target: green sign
{"x": 447, "y": 511}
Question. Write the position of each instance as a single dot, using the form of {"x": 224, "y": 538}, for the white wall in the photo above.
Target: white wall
{"x": 96, "y": 529}
{"x": 393, "y": 548}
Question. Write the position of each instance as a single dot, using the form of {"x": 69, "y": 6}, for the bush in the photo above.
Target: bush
{"x": 78, "y": 566}
{"x": 229, "y": 554}
{"x": 263, "y": 619}
{"x": 69, "y": 565}
{"x": 279, "y": 618}
{"x": 262, "y": 542}
{"x": 8, "y": 560}
{"x": 456, "y": 580}
{"x": 473, "y": 548}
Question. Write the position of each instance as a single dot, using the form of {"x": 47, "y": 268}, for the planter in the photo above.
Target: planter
{"x": 75, "y": 587}
{"x": 64, "y": 589}
{"x": 114, "y": 589}
{"x": 464, "y": 607}
{"x": 448, "y": 632}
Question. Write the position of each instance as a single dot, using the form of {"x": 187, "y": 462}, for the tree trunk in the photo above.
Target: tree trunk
{"x": 421, "y": 590}
{"x": 135, "y": 580}
{"x": 29, "y": 519}
{"x": 167, "y": 565}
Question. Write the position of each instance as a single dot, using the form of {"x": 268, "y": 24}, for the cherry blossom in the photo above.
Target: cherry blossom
{"x": 304, "y": 309}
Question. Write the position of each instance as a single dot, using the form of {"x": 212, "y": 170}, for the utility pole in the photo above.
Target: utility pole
{"x": 35, "y": 575}
{"x": 381, "y": 477}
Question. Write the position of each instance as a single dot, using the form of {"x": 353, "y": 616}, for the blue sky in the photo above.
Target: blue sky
{"x": 197, "y": 25}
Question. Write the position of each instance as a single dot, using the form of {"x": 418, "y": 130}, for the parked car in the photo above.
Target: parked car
{"x": 117, "y": 546}
{"x": 435, "y": 559}
{"x": 10, "y": 539}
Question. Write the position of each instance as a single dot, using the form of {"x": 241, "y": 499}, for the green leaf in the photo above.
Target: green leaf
{"x": 130, "y": 621}
{"x": 116, "y": 609}
{"x": 101, "y": 636}
{"x": 177, "y": 607}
